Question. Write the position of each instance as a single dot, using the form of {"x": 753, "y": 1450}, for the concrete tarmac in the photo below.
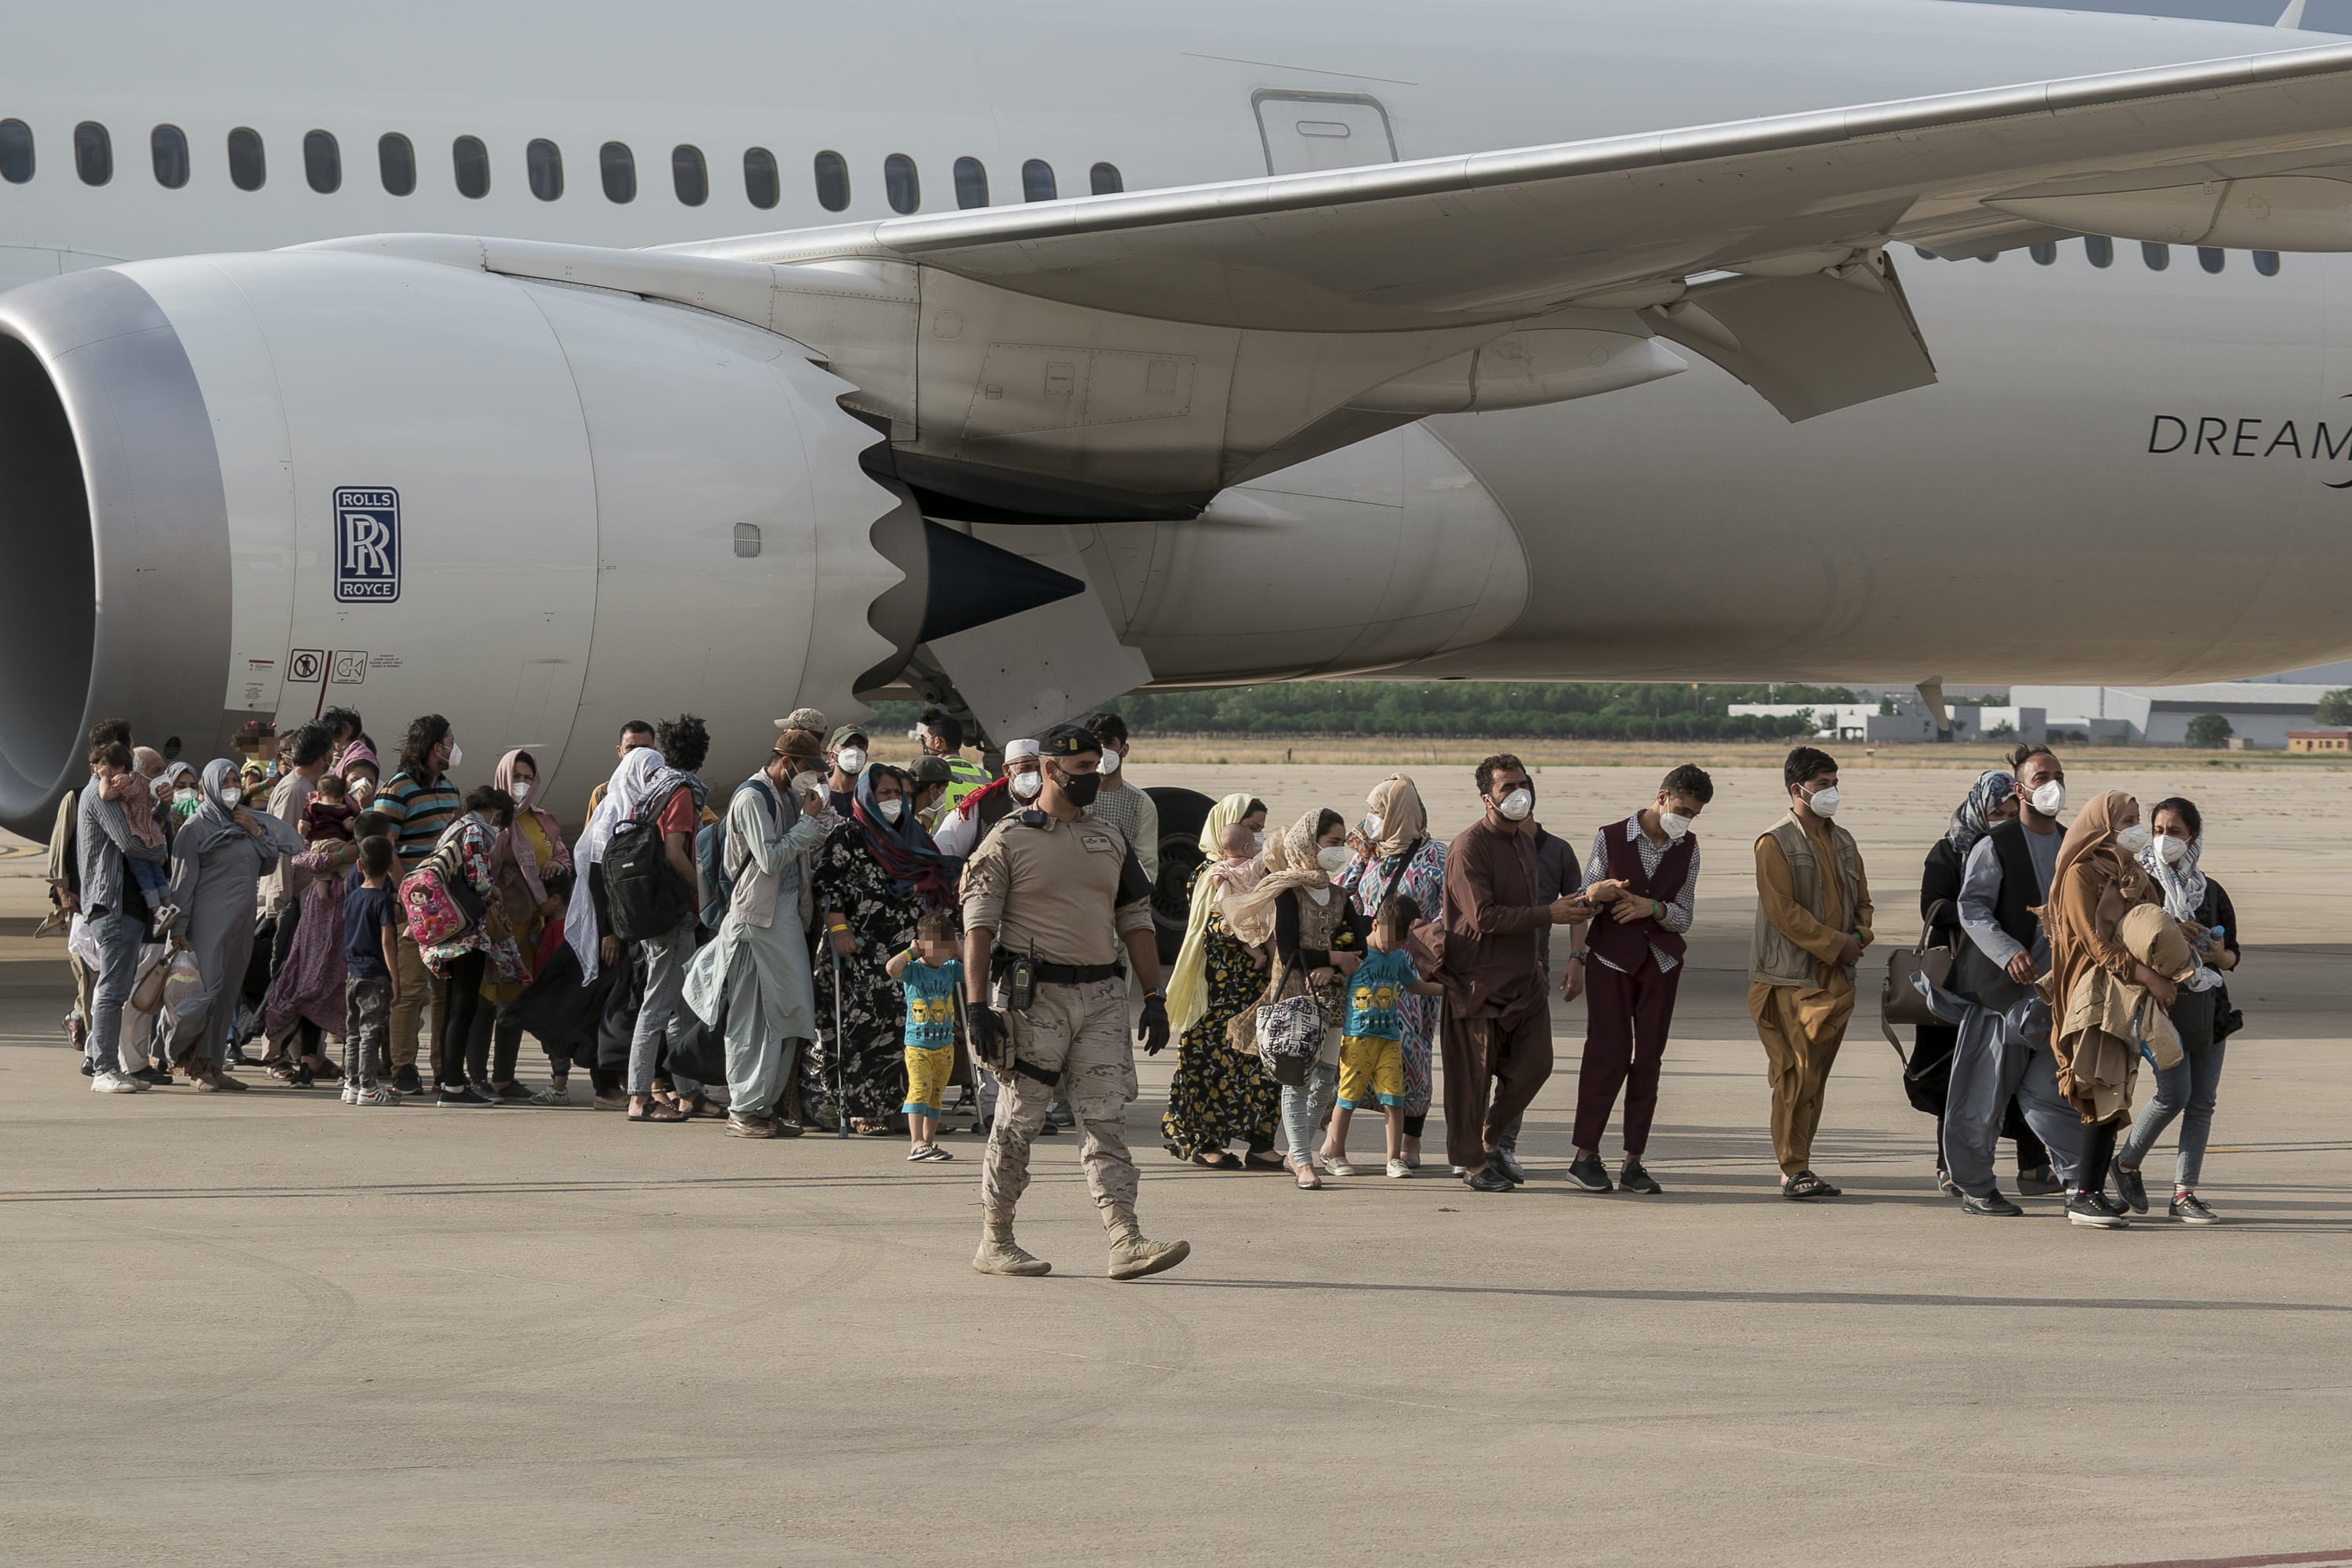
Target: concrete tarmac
{"x": 271, "y": 1329}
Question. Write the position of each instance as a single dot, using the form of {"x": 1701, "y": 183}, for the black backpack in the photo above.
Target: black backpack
{"x": 642, "y": 892}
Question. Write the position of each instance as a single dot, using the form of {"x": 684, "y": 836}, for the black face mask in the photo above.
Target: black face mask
{"x": 1080, "y": 789}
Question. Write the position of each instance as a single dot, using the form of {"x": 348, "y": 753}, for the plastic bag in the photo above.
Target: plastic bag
{"x": 82, "y": 942}
{"x": 184, "y": 987}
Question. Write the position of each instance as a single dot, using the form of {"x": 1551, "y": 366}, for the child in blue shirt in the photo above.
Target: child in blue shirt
{"x": 929, "y": 973}
{"x": 1371, "y": 1045}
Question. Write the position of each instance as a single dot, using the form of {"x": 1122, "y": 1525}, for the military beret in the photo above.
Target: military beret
{"x": 1068, "y": 741}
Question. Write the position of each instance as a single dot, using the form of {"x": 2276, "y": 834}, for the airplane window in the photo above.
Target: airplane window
{"x": 1038, "y": 181}
{"x": 16, "y": 152}
{"x": 2100, "y": 249}
{"x": 542, "y": 163}
{"x": 395, "y": 160}
{"x": 763, "y": 186}
{"x": 971, "y": 183}
{"x": 2266, "y": 262}
{"x": 168, "y": 146}
{"x": 689, "y": 174}
{"x": 1103, "y": 180}
{"x": 832, "y": 181}
{"x": 901, "y": 183}
{"x": 322, "y": 161}
{"x": 2157, "y": 257}
{"x": 472, "y": 162}
{"x": 2210, "y": 259}
{"x": 246, "y": 166}
{"x": 93, "y": 153}
{"x": 2044, "y": 254}
{"x": 620, "y": 167}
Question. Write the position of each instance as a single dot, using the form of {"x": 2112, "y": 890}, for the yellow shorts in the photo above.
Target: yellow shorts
{"x": 1370, "y": 1069}
{"x": 928, "y": 1070}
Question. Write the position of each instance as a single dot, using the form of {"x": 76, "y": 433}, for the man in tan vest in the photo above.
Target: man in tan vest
{"x": 1812, "y": 920}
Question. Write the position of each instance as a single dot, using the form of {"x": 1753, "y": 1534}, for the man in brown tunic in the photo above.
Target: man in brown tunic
{"x": 1496, "y": 1036}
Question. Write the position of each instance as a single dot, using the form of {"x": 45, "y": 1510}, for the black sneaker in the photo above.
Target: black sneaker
{"x": 1633, "y": 1178}
{"x": 159, "y": 1077}
{"x": 1488, "y": 1179}
{"x": 1995, "y": 1205}
{"x": 87, "y": 1069}
{"x": 2189, "y": 1209}
{"x": 2039, "y": 1184}
{"x": 513, "y": 1094}
{"x": 406, "y": 1081}
{"x": 2129, "y": 1186}
{"x": 2092, "y": 1209}
{"x": 1507, "y": 1162}
{"x": 1587, "y": 1172}
{"x": 460, "y": 1094}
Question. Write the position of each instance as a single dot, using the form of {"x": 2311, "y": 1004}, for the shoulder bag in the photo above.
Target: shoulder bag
{"x": 1899, "y": 1001}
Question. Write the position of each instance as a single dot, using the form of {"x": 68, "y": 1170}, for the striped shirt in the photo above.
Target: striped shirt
{"x": 422, "y": 812}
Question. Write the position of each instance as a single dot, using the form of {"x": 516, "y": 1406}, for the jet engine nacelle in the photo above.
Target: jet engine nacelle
{"x": 264, "y": 485}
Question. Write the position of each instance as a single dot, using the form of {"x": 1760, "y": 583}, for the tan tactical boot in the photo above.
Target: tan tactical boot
{"x": 999, "y": 1253}
{"x": 1131, "y": 1257}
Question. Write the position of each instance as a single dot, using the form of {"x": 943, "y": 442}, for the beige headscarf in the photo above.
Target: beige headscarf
{"x": 2092, "y": 838}
{"x": 1290, "y": 862}
{"x": 1396, "y": 801}
{"x": 1188, "y": 984}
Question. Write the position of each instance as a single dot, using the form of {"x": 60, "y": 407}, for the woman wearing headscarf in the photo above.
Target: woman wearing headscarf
{"x": 1395, "y": 853}
{"x": 530, "y": 866}
{"x": 218, "y": 857}
{"x": 1318, "y": 939}
{"x": 2097, "y": 879}
{"x": 1218, "y": 1094}
{"x": 484, "y": 952}
{"x": 309, "y": 983}
{"x": 874, "y": 876}
{"x": 1928, "y": 1082}
{"x": 2204, "y": 1018}
{"x": 637, "y": 783}
{"x": 178, "y": 795}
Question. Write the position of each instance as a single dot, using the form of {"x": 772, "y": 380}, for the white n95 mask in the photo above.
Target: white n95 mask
{"x": 1824, "y": 803}
{"x": 1675, "y": 826}
{"x": 1515, "y": 806}
{"x": 850, "y": 760}
{"x": 1333, "y": 858}
{"x": 1024, "y": 786}
{"x": 2051, "y": 798}
{"x": 2133, "y": 839}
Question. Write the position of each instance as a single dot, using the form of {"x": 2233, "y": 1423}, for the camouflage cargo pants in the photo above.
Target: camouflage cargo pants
{"x": 1079, "y": 1031}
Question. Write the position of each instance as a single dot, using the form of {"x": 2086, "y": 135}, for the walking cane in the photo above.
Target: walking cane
{"x": 840, "y": 1052}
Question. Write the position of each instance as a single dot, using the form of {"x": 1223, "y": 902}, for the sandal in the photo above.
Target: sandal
{"x": 871, "y": 1129}
{"x": 700, "y": 1105}
{"x": 657, "y": 1111}
{"x": 1804, "y": 1184}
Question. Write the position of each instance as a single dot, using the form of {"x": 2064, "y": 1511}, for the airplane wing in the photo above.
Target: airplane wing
{"x": 2252, "y": 151}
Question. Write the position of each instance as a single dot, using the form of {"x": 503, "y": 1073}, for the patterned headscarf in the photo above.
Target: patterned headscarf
{"x": 2183, "y": 886}
{"x": 1291, "y": 862}
{"x": 902, "y": 849}
{"x": 515, "y": 846}
{"x": 1973, "y": 818}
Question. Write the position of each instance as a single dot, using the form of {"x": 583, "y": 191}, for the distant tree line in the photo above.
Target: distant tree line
{"x": 1500, "y": 710}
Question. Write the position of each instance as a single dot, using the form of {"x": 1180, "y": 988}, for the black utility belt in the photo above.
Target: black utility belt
{"x": 1080, "y": 973}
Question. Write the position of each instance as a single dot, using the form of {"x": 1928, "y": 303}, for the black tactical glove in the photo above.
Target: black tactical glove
{"x": 1152, "y": 1030}
{"x": 986, "y": 1028}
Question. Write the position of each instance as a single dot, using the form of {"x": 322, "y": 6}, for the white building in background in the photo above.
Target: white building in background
{"x": 2260, "y": 713}
{"x": 1868, "y": 721}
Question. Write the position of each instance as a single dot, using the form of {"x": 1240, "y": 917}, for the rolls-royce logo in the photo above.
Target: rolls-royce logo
{"x": 2209, "y": 435}
{"x": 367, "y": 546}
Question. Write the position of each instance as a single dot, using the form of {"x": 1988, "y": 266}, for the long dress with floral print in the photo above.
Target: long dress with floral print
{"x": 1218, "y": 1094}
{"x": 309, "y": 983}
{"x": 1367, "y": 883}
{"x": 843, "y": 877}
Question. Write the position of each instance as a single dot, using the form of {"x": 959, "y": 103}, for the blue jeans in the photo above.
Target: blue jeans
{"x": 119, "y": 938}
{"x": 2194, "y": 1085}
{"x": 1306, "y": 1108}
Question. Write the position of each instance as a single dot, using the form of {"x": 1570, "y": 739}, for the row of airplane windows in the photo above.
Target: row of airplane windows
{"x": 2101, "y": 252}
{"x": 322, "y": 167}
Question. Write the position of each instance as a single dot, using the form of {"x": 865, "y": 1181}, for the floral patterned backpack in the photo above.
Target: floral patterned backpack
{"x": 439, "y": 903}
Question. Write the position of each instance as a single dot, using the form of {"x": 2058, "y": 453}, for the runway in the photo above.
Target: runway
{"x": 274, "y": 1330}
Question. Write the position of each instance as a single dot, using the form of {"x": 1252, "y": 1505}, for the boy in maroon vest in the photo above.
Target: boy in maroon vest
{"x": 1643, "y": 880}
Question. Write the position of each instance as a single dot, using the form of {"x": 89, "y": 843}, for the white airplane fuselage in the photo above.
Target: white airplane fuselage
{"x": 2120, "y": 474}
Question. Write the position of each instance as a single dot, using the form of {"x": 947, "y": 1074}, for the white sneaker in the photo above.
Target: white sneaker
{"x": 380, "y": 1095}
{"x": 351, "y": 1093}
{"x": 1336, "y": 1165}
{"x": 1458, "y": 1170}
{"x": 166, "y": 917}
{"x": 1399, "y": 1169}
{"x": 114, "y": 1083}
